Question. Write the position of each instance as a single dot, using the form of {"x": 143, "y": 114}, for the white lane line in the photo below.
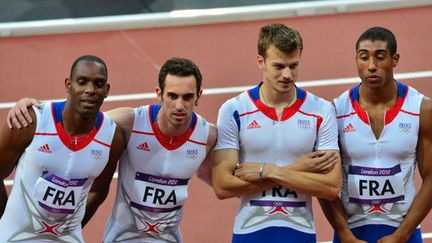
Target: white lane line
{"x": 238, "y": 89}
{"x": 427, "y": 235}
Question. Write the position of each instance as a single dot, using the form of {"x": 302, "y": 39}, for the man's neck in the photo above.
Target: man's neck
{"x": 275, "y": 99}
{"x": 168, "y": 129}
{"x": 384, "y": 96}
{"x": 75, "y": 124}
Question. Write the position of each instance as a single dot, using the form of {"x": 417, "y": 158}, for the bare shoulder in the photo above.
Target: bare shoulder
{"x": 426, "y": 108}
{"x": 426, "y": 116}
{"x": 426, "y": 105}
{"x": 123, "y": 116}
{"x": 14, "y": 141}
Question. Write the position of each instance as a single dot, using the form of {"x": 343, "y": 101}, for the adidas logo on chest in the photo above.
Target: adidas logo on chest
{"x": 253, "y": 125}
{"x": 143, "y": 147}
{"x": 349, "y": 128}
{"x": 45, "y": 149}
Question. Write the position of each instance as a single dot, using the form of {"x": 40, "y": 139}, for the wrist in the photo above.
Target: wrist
{"x": 403, "y": 236}
{"x": 294, "y": 166}
{"x": 270, "y": 171}
{"x": 346, "y": 235}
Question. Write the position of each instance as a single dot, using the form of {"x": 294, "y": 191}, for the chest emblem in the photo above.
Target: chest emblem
{"x": 405, "y": 127}
{"x": 96, "y": 154}
{"x": 253, "y": 125}
{"x": 143, "y": 147}
{"x": 349, "y": 128}
{"x": 45, "y": 149}
{"x": 303, "y": 124}
{"x": 192, "y": 153}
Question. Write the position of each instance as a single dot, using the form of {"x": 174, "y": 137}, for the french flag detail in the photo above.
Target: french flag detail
{"x": 166, "y": 141}
{"x": 390, "y": 114}
{"x": 271, "y": 112}
{"x": 57, "y": 109}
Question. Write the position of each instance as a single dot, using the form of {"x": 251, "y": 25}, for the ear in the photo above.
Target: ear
{"x": 199, "y": 95}
{"x": 159, "y": 94}
{"x": 261, "y": 62}
{"x": 395, "y": 59}
{"x": 67, "y": 85}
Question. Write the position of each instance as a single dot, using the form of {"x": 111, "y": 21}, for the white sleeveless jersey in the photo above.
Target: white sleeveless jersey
{"x": 248, "y": 125}
{"x": 378, "y": 174}
{"x": 153, "y": 180}
{"x": 53, "y": 178}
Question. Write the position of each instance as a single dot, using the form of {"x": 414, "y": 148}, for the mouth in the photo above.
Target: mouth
{"x": 179, "y": 116}
{"x": 373, "y": 78}
{"x": 89, "y": 102}
{"x": 285, "y": 82}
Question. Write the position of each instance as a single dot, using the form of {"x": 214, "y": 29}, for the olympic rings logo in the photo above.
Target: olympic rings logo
{"x": 303, "y": 124}
{"x": 405, "y": 127}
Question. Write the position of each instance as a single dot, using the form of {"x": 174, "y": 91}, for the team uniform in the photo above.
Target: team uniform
{"x": 378, "y": 174}
{"x": 153, "y": 180}
{"x": 53, "y": 178}
{"x": 246, "y": 124}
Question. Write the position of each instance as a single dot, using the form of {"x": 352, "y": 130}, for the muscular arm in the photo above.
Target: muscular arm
{"x": 320, "y": 185}
{"x": 225, "y": 183}
{"x": 300, "y": 176}
{"x": 12, "y": 144}
{"x": 231, "y": 179}
{"x": 205, "y": 169}
{"x": 100, "y": 187}
{"x": 421, "y": 204}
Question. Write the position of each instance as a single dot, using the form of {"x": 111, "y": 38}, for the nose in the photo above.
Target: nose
{"x": 90, "y": 88}
{"x": 179, "y": 104}
{"x": 372, "y": 66}
{"x": 286, "y": 73}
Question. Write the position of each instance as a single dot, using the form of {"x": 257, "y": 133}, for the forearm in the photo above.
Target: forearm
{"x": 232, "y": 186}
{"x": 417, "y": 212}
{"x": 94, "y": 200}
{"x": 325, "y": 186}
{"x": 335, "y": 214}
{"x": 204, "y": 172}
{"x": 227, "y": 183}
{"x": 3, "y": 198}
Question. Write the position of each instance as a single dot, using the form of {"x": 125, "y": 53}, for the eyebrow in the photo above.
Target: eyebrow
{"x": 88, "y": 78}
{"x": 284, "y": 64}
{"x": 174, "y": 93}
{"x": 366, "y": 50}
